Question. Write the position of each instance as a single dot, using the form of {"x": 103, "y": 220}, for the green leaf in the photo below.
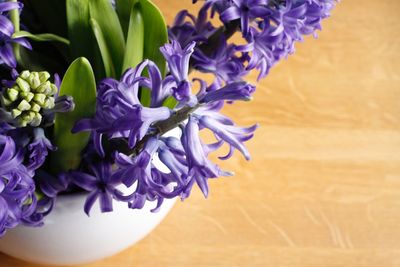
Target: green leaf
{"x": 124, "y": 8}
{"x": 156, "y": 33}
{"x": 135, "y": 39}
{"x": 105, "y": 53}
{"x": 43, "y": 37}
{"x": 79, "y": 83}
{"x": 103, "y": 12}
{"x": 83, "y": 43}
{"x": 155, "y": 37}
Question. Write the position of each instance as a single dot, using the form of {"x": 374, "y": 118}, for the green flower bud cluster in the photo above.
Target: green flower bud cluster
{"x": 25, "y": 101}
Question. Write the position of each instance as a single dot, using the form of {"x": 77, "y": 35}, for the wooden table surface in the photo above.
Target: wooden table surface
{"x": 323, "y": 188}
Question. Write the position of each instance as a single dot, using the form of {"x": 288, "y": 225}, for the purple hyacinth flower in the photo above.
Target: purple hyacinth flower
{"x": 119, "y": 113}
{"x": 7, "y": 56}
{"x": 16, "y": 188}
{"x": 172, "y": 154}
{"x": 245, "y": 11}
{"x": 200, "y": 167}
{"x": 148, "y": 181}
{"x": 138, "y": 121}
{"x": 301, "y": 17}
{"x": 222, "y": 62}
{"x": 160, "y": 89}
{"x": 101, "y": 185}
{"x": 62, "y": 104}
{"x": 44, "y": 207}
{"x": 178, "y": 60}
{"x": 316, "y": 12}
{"x": 182, "y": 31}
{"x": 218, "y": 6}
{"x": 188, "y": 28}
{"x": 52, "y": 185}
{"x": 138, "y": 167}
{"x": 38, "y": 149}
{"x": 17, "y": 199}
{"x": 292, "y": 16}
{"x": 267, "y": 48}
{"x": 10, "y": 158}
{"x": 226, "y": 130}
{"x": 231, "y": 92}
{"x": 270, "y": 27}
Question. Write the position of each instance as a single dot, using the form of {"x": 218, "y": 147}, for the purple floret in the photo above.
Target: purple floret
{"x": 7, "y": 56}
{"x": 17, "y": 198}
{"x": 120, "y": 115}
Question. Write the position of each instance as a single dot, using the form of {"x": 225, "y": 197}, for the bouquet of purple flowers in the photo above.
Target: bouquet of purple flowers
{"x": 91, "y": 90}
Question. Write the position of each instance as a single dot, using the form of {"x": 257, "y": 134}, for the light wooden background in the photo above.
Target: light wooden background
{"x": 323, "y": 188}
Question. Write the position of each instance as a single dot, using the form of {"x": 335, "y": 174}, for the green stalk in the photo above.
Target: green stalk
{"x": 14, "y": 16}
{"x": 42, "y": 37}
{"x": 161, "y": 127}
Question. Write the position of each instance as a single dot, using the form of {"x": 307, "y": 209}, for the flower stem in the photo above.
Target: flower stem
{"x": 14, "y": 16}
{"x": 161, "y": 127}
{"x": 176, "y": 119}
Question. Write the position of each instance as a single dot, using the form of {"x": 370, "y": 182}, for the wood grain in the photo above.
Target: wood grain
{"x": 323, "y": 188}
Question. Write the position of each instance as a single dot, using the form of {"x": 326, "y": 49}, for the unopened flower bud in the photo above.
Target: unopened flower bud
{"x": 27, "y": 100}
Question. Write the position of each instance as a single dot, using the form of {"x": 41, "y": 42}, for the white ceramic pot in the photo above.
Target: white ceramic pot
{"x": 70, "y": 237}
